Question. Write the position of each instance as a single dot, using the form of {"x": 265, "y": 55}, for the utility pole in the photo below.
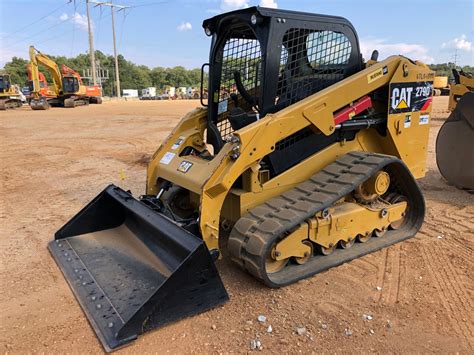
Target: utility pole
{"x": 455, "y": 57}
{"x": 117, "y": 76}
{"x": 91, "y": 45}
{"x": 120, "y": 7}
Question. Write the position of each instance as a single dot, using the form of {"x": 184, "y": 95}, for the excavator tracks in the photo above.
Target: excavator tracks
{"x": 254, "y": 235}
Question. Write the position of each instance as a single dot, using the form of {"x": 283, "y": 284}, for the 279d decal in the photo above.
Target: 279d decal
{"x": 409, "y": 97}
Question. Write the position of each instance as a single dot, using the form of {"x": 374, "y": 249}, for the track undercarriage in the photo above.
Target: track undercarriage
{"x": 10, "y": 103}
{"x": 357, "y": 205}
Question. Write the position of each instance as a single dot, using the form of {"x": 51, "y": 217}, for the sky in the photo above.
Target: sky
{"x": 169, "y": 32}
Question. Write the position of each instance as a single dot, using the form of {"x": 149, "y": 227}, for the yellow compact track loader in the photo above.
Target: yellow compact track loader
{"x": 304, "y": 158}
{"x": 9, "y": 94}
{"x": 455, "y": 141}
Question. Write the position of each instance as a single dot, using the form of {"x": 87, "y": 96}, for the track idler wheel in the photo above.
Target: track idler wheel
{"x": 272, "y": 265}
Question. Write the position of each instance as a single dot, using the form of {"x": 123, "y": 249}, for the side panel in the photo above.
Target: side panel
{"x": 409, "y": 107}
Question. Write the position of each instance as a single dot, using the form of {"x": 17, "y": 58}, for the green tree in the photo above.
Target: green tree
{"x": 17, "y": 70}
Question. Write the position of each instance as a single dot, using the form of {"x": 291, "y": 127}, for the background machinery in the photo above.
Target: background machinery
{"x": 45, "y": 91}
{"x": 10, "y": 95}
{"x": 304, "y": 158}
{"x": 68, "y": 91}
{"x": 94, "y": 92}
{"x": 455, "y": 141}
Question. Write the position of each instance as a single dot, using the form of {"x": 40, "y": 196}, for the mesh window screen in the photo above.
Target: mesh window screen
{"x": 243, "y": 56}
{"x": 310, "y": 61}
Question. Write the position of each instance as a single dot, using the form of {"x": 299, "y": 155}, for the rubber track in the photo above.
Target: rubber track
{"x": 256, "y": 232}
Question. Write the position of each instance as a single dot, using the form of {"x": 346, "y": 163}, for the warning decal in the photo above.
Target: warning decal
{"x": 185, "y": 166}
{"x": 377, "y": 74}
{"x": 410, "y": 97}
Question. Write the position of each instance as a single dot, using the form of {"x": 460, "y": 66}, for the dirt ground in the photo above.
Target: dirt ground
{"x": 419, "y": 293}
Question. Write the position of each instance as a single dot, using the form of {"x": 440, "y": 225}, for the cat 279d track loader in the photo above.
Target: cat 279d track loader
{"x": 304, "y": 158}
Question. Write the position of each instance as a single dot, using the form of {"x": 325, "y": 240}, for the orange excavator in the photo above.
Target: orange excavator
{"x": 45, "y": 91}
{"x": 94, "y": 92}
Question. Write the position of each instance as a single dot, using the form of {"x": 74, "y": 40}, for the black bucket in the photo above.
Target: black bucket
{"x": 132, "y": 269}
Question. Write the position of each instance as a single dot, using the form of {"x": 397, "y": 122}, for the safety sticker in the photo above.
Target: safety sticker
{"x": 222, "y": 107}
{"x": 424, "y": 119}
{"x": 178, "y": 142}
{"x": 410, "y": 97}
{"x": 184, "y": 166}
{"x": 407, "y": 123}
{"x": 377, "y": 74}
{"x": 167, "y": 158}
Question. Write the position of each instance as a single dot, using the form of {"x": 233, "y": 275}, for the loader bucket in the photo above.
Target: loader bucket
{"x": 39, "y": 104}
{"x": 455, "y": 145}
{"x": 133, "y": 269}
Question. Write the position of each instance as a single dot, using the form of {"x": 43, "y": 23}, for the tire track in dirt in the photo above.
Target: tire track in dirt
{"x": 392, "y": 276}
{"x": 454, "y": 245}
{"x": 454, "y": 297}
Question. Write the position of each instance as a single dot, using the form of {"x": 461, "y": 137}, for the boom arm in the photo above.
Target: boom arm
{"x": 37, "y": 58}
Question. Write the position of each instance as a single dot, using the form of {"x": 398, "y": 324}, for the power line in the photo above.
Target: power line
{"x": 121, "y": 28}
{"x": 40, "y": 32}
{"x": 112, "y": 12}
{"x": 38, "y": 20}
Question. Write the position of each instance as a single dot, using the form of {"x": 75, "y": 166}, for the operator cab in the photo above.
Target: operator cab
{"x": 263, "y": 60}
{"x": 70, "y": 84}
{"x": 4, "y": 83}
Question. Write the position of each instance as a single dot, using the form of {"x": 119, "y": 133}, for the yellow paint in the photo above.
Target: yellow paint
{"x": 211, "y": 182}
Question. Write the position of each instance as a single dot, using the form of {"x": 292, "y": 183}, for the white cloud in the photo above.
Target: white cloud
{"x": 412, "y": 51}
{"x": 184, "y": 26}
{"x": 229, "y": 5}
{"x": 269, "y": 3}
{"x": 80, "y": 21}
{"x": 460, "y": 43}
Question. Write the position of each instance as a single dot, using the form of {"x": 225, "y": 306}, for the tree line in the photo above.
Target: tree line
{"x": 134, "y": 76}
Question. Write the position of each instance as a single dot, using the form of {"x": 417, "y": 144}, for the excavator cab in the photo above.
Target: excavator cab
{"x": 5, "y": 83}
{"x": 70, "y": 84}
